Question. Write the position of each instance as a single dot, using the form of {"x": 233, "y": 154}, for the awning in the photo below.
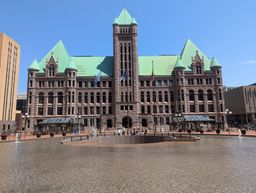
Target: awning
{"x": 55, "y": 121}
{"x": 197, "y": 118}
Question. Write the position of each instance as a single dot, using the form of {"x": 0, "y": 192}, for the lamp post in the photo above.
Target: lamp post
{"x": 228, "y": 112}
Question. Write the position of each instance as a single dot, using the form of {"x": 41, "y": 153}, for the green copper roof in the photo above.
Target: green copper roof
{"x": 34, "y": 65}
{"x": 60, "y": 53}
{"x": 163, "y": 65}
{"x": 189, "y": 51}
{"x": 215, "y": 62}
{"x": 91, "y": 65}
{"x": 179, "y": 64}
{"x": 124, "y": 18}
{"x": 71, "y": 65}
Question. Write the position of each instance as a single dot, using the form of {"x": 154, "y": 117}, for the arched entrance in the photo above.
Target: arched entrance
{"x": 109, "y": 123}
{"x": 144, "y": 122}
{"x": 127, "y": 122}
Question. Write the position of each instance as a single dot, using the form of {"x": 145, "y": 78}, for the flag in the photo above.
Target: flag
{"x": 123, "y": 75}
{"x": 97, "y": 78}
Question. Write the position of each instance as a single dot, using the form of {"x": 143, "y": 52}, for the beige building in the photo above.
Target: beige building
{"x": 9, "y": 68}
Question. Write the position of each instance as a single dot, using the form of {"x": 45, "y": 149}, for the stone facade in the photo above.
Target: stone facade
{"x": 128, "y": 97}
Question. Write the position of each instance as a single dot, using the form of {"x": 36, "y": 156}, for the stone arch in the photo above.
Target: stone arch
{"x": 127, "y": 122}
{"x": 144, "y": 122}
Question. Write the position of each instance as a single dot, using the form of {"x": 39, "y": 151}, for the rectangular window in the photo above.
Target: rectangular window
{"x": 109, "y": 110}
{"x": 201, "y": 108}
{"x": 192, "y": 108}
{"x": 86, "y": 110}
{"x": 149, "y": 109}
{"x": 50, "y": 111}
{"x": 40, "y": 111}
{"x": 210, "y": 108}
{"x": 59, "y": 110}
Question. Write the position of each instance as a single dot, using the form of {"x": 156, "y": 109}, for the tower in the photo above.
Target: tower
{"x": 125, "y": 70}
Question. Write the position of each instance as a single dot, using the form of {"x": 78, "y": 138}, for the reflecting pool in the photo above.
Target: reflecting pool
{"x": 213, "y": 164}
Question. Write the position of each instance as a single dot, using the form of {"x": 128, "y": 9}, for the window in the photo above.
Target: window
{"x": 86, "y": 110}
{"x": 172, "y": 96}
{"x": 141, "y": 83}
{"x": 85, "y": 97}
{"x": 98, "y": 97}
{"x": 154, "y": 96}
{"x": 209, "y": 95}
{"x": 142, "y": 97}
{"x": 147, "y": 83}
{"x": 50, "y": 111}
{"x": 149, "y": 109}
{"x": 98, "y": 110}
{"x": 142, "y": 109}
{"x": 92, "y": 97}
{"x": 161, "y": 110}
{"x": 41, "y": 98}
{"x": 160, "y": 96}
{"x": 154, "y": 109}
{"x": 165, "y": 96}
{"x": 91, "y": 110}
{"x": 80, "y": 84}
{"x": 201, "y": 108}
{"x": 60, "y": 97}
{"x": 210, "y": 108}
{"x": 110, "y": 97}
{"x": 104, "y": 97}
{"x": 80, "y": 97}
{"x": 50, "y": 97}
{"x": 200, "y": 95}
{"x": 166, "y": 109}
{"x": 148, "y": 96}
{"x": 30, "y": 98}
{"x": 40, "y": 111}
{"x": 59, "y": 111}
{"x": 220, "y": 94}
{"x": 191, "y": 95}
{"x": 109, "y": 84}
{"x": 192, "y": 108}
{"x": 109, "y": 110}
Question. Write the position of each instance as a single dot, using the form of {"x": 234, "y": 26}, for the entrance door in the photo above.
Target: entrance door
{"x": 127, "y": 122}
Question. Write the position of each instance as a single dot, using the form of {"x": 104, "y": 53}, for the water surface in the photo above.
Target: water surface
{"x": 224, "y": 164}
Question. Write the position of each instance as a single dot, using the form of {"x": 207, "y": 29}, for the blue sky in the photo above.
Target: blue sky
{"x": 224, "y": 28}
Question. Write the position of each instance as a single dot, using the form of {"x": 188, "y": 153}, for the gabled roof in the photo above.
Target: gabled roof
{"x": 125, "y": 18}
{"x": 179, "y": 64}
{"x": 34, "y": 65}
{"x": 215, "y": 62}
{"x": 91, "y": 65}
{"x": 71, "y": 65}
{"x": 60, "y": 53}
{"x": 189, "y": 51}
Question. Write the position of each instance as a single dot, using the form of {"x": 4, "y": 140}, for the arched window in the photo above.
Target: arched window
{"x": 209, "y": 95}
{"x": 104, "y": 97}
{"x": 165, "y": 96}
{"x": 142, "y": 97}
{"x": 148, "y": 96}
{"x": 191, "y": 95}
{"x": 110, "y": 97}
{"x": 160, "y": 96}
{"x": 50, "y": 97}
{"x": 122, "y": 96}
{"x": 41, "y": 98}
{"x": 200, "y": 95}
{"x": 60, "y": 97}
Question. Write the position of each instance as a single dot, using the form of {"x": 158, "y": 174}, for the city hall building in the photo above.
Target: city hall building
{"x": 124, "y": 90}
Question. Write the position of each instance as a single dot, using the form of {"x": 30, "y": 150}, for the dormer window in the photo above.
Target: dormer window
{"x": 51, "y": 72}
{"x": 198, "y": 69}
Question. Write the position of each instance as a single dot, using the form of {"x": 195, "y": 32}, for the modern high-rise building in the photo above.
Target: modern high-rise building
{"x": 9, "y": 68}
{"x": 125, "y": 89}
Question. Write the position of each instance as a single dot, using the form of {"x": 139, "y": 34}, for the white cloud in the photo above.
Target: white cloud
{"x": 249, "y": 62}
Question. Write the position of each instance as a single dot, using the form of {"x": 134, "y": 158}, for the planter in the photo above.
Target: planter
{"x": 51, "y": 134}
{"x": 189, "y": 131}
{"x": 218, "y": 131}
{"x": 243, "y": 132}
{"x": 4, "y": 137}
{"x": 201, "y": 131}
{"x": 38, "y": 135}
{"x": 64, "y": 134}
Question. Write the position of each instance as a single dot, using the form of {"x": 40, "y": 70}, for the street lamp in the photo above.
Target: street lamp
{"x": 228, "y": 112}
{"x": 177, "y": 117}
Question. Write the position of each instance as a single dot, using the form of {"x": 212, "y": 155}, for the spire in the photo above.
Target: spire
{"x": 34, "y": 65}
{"x": 71, "y": 65}
{"x": 215, "y": 63}
{"x": 125, "y": 18}
{"x": 179, "y": 64}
